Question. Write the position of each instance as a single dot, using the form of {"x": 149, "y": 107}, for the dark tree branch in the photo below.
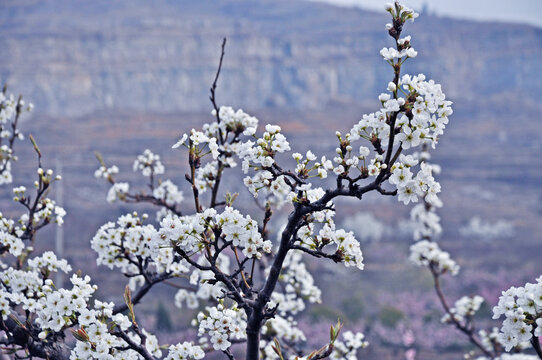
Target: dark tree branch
{"x": 535, "y": 342}
{"x": 139, "y": 348}
{"x": 215, "y": 82}
{"x": 319, "y": 253}
{"x": 27, "y": 337}
{"x": 142, "y": 291}
{"x": 228, "y": 354}
{"x": 214, "y": 192}
{"x": 152, "y": 200}
{"x": 464, "y": 328}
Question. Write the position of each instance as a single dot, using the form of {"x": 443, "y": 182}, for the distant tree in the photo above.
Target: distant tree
{"x": 163, "y": 319}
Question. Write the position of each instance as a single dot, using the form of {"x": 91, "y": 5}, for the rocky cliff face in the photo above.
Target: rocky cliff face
{"x": 76, "y": 57}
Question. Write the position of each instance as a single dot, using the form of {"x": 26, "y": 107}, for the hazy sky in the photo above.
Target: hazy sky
{"x": 520, "y": 11}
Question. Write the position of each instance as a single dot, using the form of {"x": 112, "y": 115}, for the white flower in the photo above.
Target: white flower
{"x": 411, "y": 53}
{"x": 117, "y": 191}
{"x": 181, "y": 141}
{"x": 389, "y": 54}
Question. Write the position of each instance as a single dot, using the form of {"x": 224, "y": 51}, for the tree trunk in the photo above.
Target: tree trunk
{"x": 253, "y": 337}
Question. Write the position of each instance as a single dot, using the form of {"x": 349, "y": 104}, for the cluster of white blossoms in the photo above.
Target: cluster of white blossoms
{"x": 46, "y": 211}
{"x": 8, "y": 106}
{"x": 406, "y": 51}
{"x": 221, "y": 140}
{"x": 490, "y": 339}
{"x": 398, "y": 10}
{"x": 28, "y": 288}
{"x": 522, "y": 309}
{"x": 116, "y": 242}
{"x": 304, "y": 170}
{"x": 243, "y": 232}
{"x": 32, "y": 291}
{"x": 236, "y": 122}
{"x": 409, "y": 188}
{"x": 185, "y": 351}
{"x": 128, "y": 243}
{"x": 347, "y": 349}
{"x": 48, "y": 262}
{"x": 185, "y": 231}
{"x": 348, "y": 159}
{"x": 206, "y": 289}
{"x": 117, "y": 191}
{"x": 56, "y": 309}
{"x": 206, "y": 176}
{"x": 102, "y": 335}
{"x": 390, "y": 54}
{"x": 321, "y": 232}
{"x": 348, "y": 248}
{"x": 221, "y": 325}
{"x": 426, "y": 253}
{"x": 426, "y": 222}
{"x": 509, "y": 357}
{"x": 419, "y": 118}
{"x": 9, "y": 236}
{"x": 298, "y": 286}
{"x": 10, "y": 109}
{"x": 283, "y": 328}
{"x": 188, "y": 232}
{"x": 106, "y": 172}
{"x": 260, "y": 156}
{"x": 464, "y": 308}
{"x": 98, "y": 337}
{"x": 168, "y": 192}
{"x": 148, "y": 163}
{"x": 199, "y": 140}
{"x": 18, "y": 287}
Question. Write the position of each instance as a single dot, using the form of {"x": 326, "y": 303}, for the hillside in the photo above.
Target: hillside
{"x": 77, "y": 57}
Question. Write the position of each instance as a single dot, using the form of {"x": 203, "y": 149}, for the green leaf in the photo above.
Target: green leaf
{"x": 277, "y": 349}
{"x": 80, "y": 335}
{"x": 35, "y": 145}
{"x": 128, "y": 301}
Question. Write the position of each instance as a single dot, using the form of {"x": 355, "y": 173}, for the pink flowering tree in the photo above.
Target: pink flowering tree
{"x": 250, "y": 288}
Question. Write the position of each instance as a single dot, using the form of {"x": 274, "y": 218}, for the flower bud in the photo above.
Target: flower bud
{"x": 391, "y": 86}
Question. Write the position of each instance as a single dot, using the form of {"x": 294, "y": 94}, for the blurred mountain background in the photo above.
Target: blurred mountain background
{"x": 119, "y": 77}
